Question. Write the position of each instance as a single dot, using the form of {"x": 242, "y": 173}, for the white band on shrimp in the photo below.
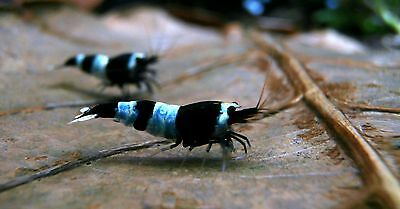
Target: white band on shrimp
{"x": 162, "y": 122}
{"x": 79, "y": 59}
{"x": 132, "y": 59}
{"x": 222, "y": 121}
{"x": 99, "y": 65}
{"x": 126, "y": 113}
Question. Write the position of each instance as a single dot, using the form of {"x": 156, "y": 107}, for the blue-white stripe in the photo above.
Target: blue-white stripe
{"x": 99, "y": 65}
{"x": 162, "y": 123}
{"x": 79, "y": 59}
{"x": 126, "y": 113}
{"x": 132, "y": 59}
{"x": 222, "y": 122}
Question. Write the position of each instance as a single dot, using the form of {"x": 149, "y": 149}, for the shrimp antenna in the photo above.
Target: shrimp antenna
{"x": 259, "y": 103}
{"x": 154, "y": 40}
{"x": 153, "y": 43}
{"x": 166, "y": 38}
{"x": 148, "y": 41}
{"x": 164, "y": 44}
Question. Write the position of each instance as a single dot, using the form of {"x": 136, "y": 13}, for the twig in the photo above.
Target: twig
{"x": 376, "y": 173}
{"x": 365, "y": 107}
{"x": 204, "y": 68}
{"x": 73, "y": 164}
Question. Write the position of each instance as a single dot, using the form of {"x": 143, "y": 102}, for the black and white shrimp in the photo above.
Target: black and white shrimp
{"x": 120, "y": 70}
{"x": 192, "y": 125}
